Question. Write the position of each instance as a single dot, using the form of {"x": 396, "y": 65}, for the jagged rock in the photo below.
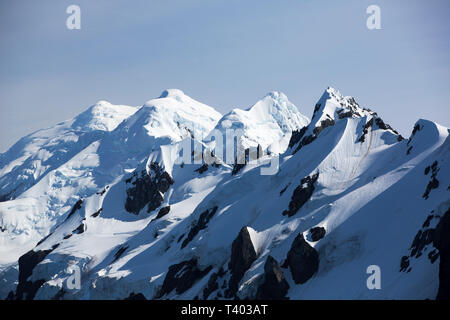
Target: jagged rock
{"x": 409, "y": 150}
{"x": 317, "y": 233}
{"x": 323, "y": 124}
{"x": 162, "y": 212}
{"x": 441, "y": 240}
{"x": 202, "y": 169}
{"x": 97, "y": 213}
{"x": 296, "y": 136}
{"x": 243, "y": 254}
{"x": 302, "y": 260}
{"x": 404, "y": 263}
{"x": 181, "y": 277}
{"x": 416, "y": 128}
{"x": 76, "y": 207}
{"x": 433, "y": 183}
{"x": 275, "y": 286}
{"x": 301, "y": 194}
{"x": 284, "y": 189}
{"x": 147, "y": 189}
{"x": 366, "y": 130}
{"x": 380, "y": 123}
{"x": 81, "y": 228}
{"x": 211, "y": 286}
{"x": 119, "y": 253}
{"x": 200, "y": 224}
{"x": 421, "y": 240}
{"x": 27, "y": 289}
{"x": 137, "y": 296}
{"x": 238, "y": 166}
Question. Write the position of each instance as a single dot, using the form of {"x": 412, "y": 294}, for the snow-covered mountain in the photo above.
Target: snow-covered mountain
{"x": 107, "y": 193}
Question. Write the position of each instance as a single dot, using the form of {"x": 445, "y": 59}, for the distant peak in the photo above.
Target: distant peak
{"x": 168, "y": 93}
{"x": 101, "y": 103}
{"x": 276, "y": 95}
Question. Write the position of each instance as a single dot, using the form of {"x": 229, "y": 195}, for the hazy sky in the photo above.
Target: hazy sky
{"x": 225, "y": 53}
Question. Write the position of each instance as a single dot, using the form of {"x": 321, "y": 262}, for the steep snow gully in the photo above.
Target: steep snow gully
{"x": 172, "y": 200}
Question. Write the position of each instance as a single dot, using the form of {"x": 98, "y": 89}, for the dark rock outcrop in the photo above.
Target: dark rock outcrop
{"x": 147, "y": 189}
{"x": 301, "y": 194}
{"x": 433, "y": 183}
{"x": 162, "y": 212}
{"x": 212, "y": 285}
{"x": 275, "y": 286}
{"x": 27, "y": 289}
{"x": 80, "y": 229}
{"x": 366, "y": 130}
{"x": 243, "y": 254}
{"x": 317, "y": 233}
{"x": 441, "y": 241}
{"x": 181, "y": 277}
{"x": 422, "y": 240}
{"x": 120, "y": 252}
{"x": 296, "y": 136}
{"x": 323, "y": 124}
{"x": 302, "y": 260}
{"x": 200, "y": 224}
{"x": 404, "y": 263}
{"x": 202, "y": 168}
{"x": 97, "y": 213}
{"x": 76, "y": 207}
{"x": 416, "y": 129}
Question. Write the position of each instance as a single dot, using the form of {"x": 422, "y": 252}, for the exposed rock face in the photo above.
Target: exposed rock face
{"x": 76, "y": 207}
{"x": 250, "y": 154}
{"x": 27, "y": 289}
{"x": 296, "y": 136}
{"x": 302, "y": 260}
{"x": 162, "y": 212}
{"x": 442, "y": 242}
{"x": 366, "y": 130}
{"x": 301, "y": 194}
{"x": 212, "y": 285}
{"x": 200, "y": 224}
{"x": 275, "y": 286}
{"x": 182, "y": 276}
{"x": 323, "y": 124}
{"x": 202, "y": 169}
{"x": 81, "y": 228}
{"x": 317, "y": 233}
{"x": 147, "y": 189}
{"x": 243, "y": 254}
{"x": 120, "y": 252}
{"x": 97, "y": 213}
{"x": 423, "y": 238}
{"x": 433, "y": 183}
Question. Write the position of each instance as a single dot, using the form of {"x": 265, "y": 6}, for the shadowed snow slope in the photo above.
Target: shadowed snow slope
{"x": 350, "y": 192}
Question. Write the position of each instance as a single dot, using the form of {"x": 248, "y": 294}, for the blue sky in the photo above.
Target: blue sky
{"x": 225, "y": 53}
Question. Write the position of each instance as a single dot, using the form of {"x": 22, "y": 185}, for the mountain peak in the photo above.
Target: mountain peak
{"x": 266, "y": 123}
{"x": 102, "y": 116}
{"x": 172, "y": 93}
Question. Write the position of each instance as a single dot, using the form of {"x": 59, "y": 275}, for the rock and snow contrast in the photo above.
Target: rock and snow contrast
{"x": 104, "y": 196}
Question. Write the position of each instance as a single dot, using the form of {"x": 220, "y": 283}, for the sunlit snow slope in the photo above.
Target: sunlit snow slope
{"x": 120, "y": 206}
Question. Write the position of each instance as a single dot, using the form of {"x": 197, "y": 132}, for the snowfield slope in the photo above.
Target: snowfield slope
{"x": 133, "y": 220}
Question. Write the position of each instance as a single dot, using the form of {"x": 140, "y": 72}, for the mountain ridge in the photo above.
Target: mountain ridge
{"x": 349, "y": 192}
